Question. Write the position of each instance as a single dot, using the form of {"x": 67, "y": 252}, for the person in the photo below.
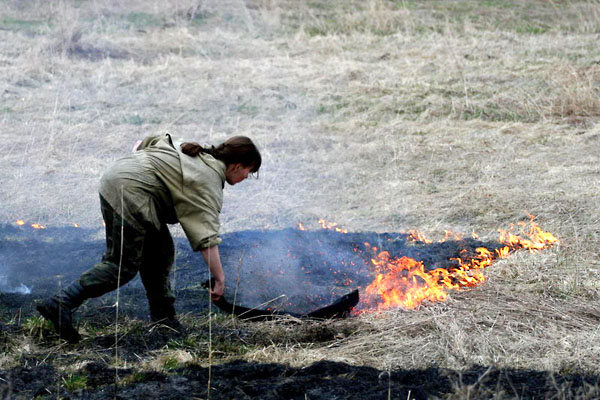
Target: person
{"x": 162, "y": 182}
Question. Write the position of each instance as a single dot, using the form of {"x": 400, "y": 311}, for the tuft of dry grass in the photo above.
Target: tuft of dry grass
{"x": 579, "y": 91}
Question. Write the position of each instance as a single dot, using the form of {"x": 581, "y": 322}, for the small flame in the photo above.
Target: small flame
{"x": 301, "y": 227}
{"x": 332, "y": 226}
{"x": 537, "y": 239}
{"x": 76, "y": 225}
{"x": 405, "y": 282}
{"x": 21, "y": 222}
{"x": 416, "y": 236}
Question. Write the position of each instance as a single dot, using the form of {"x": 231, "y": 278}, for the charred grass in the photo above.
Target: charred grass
{"x": 379, "y": 115}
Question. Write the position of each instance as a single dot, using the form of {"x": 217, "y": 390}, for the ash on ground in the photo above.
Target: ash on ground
{"x": 289, "y": 269}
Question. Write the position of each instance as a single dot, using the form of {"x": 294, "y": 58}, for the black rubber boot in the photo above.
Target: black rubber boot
{"x": 163, "y": 312}
{"x": 59, "y": 310}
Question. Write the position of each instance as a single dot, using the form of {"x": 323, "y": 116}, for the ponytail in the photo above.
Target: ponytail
{"x": 193, "y": 149}
{"x": 238, "y": 149}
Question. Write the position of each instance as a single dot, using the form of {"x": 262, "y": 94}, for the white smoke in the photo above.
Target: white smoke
{"x": 5, "y": 288}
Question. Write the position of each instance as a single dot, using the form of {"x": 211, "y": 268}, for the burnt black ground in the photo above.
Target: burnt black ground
{"x": 321, "y": 380}
{"x": 322, "y": 262}
{"x": 309, "y": 268}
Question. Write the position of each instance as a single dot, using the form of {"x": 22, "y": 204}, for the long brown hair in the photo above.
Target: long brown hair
{"x": 237, "y": 149}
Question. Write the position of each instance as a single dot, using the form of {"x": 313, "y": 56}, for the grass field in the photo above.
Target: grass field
{"x": 379, "y": 115}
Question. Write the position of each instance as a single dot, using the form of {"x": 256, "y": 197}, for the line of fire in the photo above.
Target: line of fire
{"x": 386, "y": 275}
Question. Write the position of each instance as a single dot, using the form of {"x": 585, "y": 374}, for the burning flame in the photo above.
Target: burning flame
{"x": 20, "y": 222}
{"x": 405, "y": 282}
{"x": 417, "y": 237}
{"x": 537, "y": 238}
{"x": 332, "y": 226}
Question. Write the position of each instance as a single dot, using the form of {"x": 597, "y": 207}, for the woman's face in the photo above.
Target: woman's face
{"x": 235, "y": 173}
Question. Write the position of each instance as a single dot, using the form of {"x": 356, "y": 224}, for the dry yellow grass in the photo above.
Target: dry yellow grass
{"x": 378, "y": 115}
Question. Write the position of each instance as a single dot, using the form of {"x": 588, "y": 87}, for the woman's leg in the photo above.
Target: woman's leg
{"x": 117, "y": 268}
{"x": 158, "y": 257}
{"x": 122, "y": 259}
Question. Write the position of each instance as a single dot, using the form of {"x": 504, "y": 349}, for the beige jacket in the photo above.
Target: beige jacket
{"x": 158, "y": 184}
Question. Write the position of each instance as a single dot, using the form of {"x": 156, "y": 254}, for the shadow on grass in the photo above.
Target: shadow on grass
{"x": 321, "y": 380}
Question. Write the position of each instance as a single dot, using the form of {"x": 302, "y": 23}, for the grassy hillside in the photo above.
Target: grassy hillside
{"x": 380, "y": 115}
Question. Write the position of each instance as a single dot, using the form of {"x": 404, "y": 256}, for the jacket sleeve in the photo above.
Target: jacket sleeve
{"x": 199, "y": 218}
{"x": 199, "y": 202}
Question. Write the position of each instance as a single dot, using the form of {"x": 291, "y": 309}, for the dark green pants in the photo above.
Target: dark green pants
{"x": 128, "y": 251}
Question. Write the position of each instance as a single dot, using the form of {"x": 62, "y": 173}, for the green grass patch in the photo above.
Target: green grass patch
{"x": 492, "y": 112}
{"x": 134, "y": 120}
{"x": 29, "y": 26}
{"x": 37, "y": 326}
{"x": 170, "y": 363}
{"x": 323, "y": 5}
{"x": 247, "y": 109}
{"x": 143, "y": 20}
{"x": 321, "y": 18}
{"x": 498, "y": 3}
{"x": 74, "y": 382}
{"x": 200, "y": 19}
{"x": 188, "y": 342}
{"x": 229, "y": 347}
{"x": 135, "y": 377}
{"x": 329, "y": 108}
{"x": 532, "y": 29}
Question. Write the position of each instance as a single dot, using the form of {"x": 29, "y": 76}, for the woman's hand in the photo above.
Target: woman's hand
{"x": 217, "y": 291}
{"x": 212, "y": 258}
